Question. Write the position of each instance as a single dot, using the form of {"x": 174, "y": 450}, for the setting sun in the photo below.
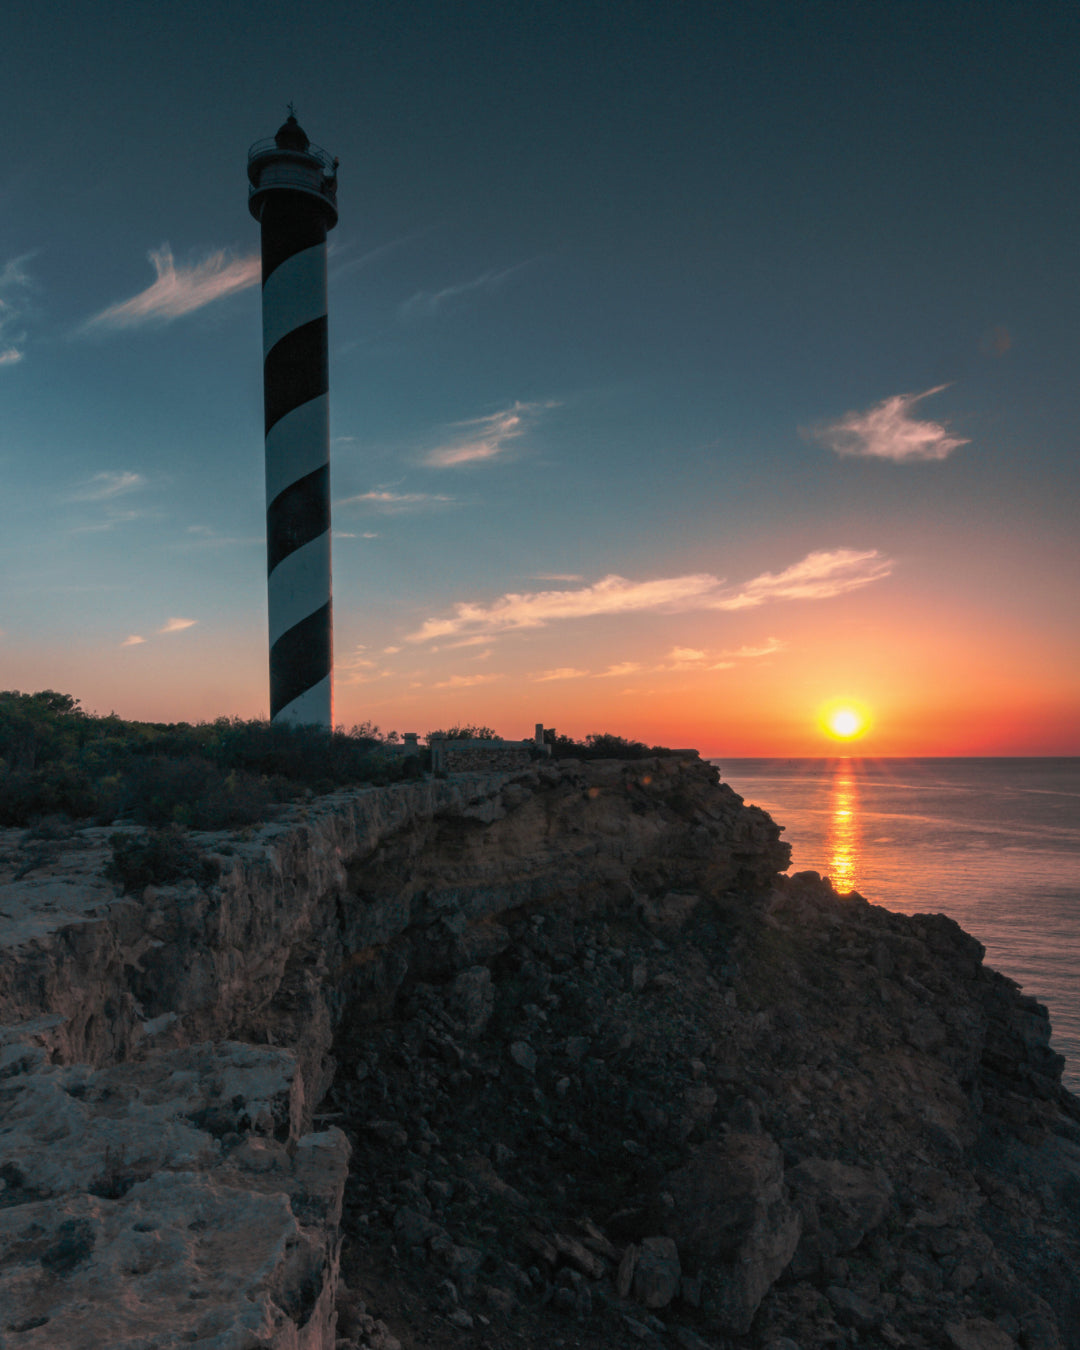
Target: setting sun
{"x": 843, "y": 721}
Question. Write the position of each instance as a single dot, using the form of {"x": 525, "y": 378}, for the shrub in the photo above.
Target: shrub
{"x": 603, "y": 745}
{"x": 466, "y": 733}
{"x": 56, "y": 759}
{"x": 157, "y": 857}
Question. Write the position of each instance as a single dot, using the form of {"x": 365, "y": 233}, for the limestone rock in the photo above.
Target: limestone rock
{"x": 523, "y": 1055}
{"x": 976, "y": 1333}
{"x": 851, "y": 1201}
{"x": 471, "y": 999}
{"x": 731, "y": 1221}
{"x": 656, "y": 1276}
{"x": 161, "y": 1185}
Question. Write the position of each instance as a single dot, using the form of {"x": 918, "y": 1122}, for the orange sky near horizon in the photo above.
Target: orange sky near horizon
{"x": 931, "y": 683}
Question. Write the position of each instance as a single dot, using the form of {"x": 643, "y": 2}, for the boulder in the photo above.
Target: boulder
{"x": 656, "y": 1277}
{"x": 849, "y": 1201}
{"x": 732, "y": 1222}
{"x": 471, "y": 999}
{"x": 976, "y": 1333}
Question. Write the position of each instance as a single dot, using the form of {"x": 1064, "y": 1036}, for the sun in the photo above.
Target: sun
{"x": 843, "y": 720}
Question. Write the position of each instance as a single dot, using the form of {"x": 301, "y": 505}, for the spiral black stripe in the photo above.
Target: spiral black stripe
{"x": 290, "y": 222}
{"x": 297, "y": 515}
{"x": 305, "y": 648}
{"x": 296, "y": 370}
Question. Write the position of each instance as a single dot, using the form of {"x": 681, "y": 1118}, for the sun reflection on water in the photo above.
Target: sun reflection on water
{"x": 843, "y": 843}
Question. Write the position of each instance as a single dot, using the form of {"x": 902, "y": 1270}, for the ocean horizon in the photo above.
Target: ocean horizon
{"x": 993, "y": 842}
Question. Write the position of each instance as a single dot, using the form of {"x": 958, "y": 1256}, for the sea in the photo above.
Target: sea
{"x": 993, "y": 843}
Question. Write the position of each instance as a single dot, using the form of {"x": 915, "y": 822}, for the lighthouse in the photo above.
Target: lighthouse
{"x": 293, "y": 195}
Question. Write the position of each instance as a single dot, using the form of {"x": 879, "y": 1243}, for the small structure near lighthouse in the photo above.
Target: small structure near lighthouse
{"x": 293, "y": 196}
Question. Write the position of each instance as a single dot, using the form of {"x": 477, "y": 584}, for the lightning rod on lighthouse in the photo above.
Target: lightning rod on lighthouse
{"x": 293, "y": 196}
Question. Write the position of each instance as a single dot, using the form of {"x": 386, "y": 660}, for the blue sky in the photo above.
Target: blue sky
{"x": 767, "y": 311}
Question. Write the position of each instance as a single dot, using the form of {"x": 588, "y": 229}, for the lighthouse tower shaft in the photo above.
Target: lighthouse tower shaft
{"x": 293, "y": 195}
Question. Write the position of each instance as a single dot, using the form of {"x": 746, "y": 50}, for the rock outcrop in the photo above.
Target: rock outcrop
{"x": 553, "y": 1057}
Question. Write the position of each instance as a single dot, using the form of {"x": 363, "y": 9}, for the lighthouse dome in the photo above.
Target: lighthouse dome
{"x": 291, "y": 135}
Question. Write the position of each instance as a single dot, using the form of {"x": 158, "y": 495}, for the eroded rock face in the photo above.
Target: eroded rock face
{"x": 598, "y": 1062}
{"x": 732, "y": 1221}
{"x": 844, "y": 1201}
{"x": 171, "y": 1200}
{"x": 159, "y": 1178}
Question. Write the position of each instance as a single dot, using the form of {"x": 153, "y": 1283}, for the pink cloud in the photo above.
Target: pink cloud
{"x": 818, "y": 576}
{"x": 889, "y": 431}
{"x": 483, "y": 437}
{"x": 180, "y": 290}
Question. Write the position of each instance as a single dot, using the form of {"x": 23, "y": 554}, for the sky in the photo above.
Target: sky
{"x": 696, "y": 370}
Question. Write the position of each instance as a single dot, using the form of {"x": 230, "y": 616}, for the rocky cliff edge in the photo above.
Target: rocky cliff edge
{"x": 606, "y": 1078}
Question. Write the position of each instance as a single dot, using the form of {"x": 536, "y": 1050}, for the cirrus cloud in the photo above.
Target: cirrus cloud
{"x": 465, "y": 681}
{"x": 889, "y": 431}
{"x": 391, "y": 502}
{"x": 102, "y": 486}
{"x": 483, "y": 437}
{"x": 180, "y": 290}
{"x": 426, "y": 304}
{"x": 15, "y": 287}
{"x": 819, "y": 576}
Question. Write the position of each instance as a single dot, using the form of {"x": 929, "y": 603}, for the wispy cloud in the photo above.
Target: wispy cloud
{"x": 611, "y": 595}
{"x": 200, "y": 537}
{"x": 623, "y": 668}
{"x": 104, "y": 486}
{"x": 557, "y": 576}
{"x": 114, "y": 517}
{"x": 482, "y": 437}
{"x": 341, "y": 264}
{"x": 465, "y": 642}
{"x": 818, "y": 576}
{"x": 768, "y": 648}
{"x": 15, "y": 285}
{"x": 693, "y": 658}
{"x": 889, "y": 431}
{"x": 425, "y": 304}
{"x": 391, "y": 502}
{"x": 177, "y": 625}
{"x": 133, "y": 640}
{"x": 562, "y": 673}
{"x": 357, "y": 668}
{"x": 180, "y": 290}
{"x": 465, "y": 681}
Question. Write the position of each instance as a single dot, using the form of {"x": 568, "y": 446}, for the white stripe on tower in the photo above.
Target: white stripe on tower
{"x": 293, "y": 196}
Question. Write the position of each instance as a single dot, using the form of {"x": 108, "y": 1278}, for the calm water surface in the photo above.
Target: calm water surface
{"x": 995, "y": 843}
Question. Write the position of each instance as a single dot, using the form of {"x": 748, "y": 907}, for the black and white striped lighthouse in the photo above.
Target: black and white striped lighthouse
{"x": 293, "y": 196}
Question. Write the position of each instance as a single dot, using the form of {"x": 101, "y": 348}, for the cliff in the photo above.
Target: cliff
{"x": 548, "y": 1057}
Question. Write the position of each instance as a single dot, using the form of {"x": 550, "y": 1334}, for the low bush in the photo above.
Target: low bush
{"x": 466, "y": 732}
{"x": 604, "y": 745}
{"x": 158, "y": 857}
{"x": 57, "y": 760}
